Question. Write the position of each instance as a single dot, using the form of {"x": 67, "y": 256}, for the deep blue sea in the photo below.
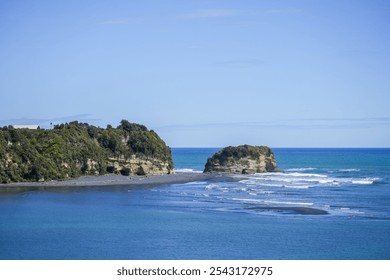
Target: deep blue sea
{"x": 328, "y": 204}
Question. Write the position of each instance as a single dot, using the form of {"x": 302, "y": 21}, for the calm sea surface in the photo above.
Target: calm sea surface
{"x": 329, "y": 204}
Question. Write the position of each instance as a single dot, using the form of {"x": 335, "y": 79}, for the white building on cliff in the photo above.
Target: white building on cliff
{"x": 28, "y": 126}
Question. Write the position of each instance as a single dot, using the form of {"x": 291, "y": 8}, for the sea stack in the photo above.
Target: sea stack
{"x": 244, "y": 159}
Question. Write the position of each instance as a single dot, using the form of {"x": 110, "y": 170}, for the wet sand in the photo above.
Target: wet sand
{"x": 115, "y": 180}
{"x": 292, "y": 210}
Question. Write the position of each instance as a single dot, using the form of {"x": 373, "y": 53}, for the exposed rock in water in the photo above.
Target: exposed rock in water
{"x": 244, "y": 159}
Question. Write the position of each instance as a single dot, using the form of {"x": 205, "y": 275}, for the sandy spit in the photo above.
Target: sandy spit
{"x": 116, "y": 180}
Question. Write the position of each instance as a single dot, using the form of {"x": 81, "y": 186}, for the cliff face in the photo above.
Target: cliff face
{"x": 73, "y": 149}
{"x": 243, "y": 159}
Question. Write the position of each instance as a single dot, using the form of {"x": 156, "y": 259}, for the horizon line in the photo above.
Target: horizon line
{"x": 278, "y": 147}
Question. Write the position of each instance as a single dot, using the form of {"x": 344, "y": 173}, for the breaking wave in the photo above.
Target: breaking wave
{"x": 187, "y": 170}
{"x": 303, "y": 180}
{"x": 301, "y": 169}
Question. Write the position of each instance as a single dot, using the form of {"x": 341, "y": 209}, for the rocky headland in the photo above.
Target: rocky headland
{"x": 244, "y": 159}
{"x": 74, "y": 149}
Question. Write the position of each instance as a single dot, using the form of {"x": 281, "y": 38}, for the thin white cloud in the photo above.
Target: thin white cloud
{"x": 226, "y": 13}
{"x": 46, "y": 122}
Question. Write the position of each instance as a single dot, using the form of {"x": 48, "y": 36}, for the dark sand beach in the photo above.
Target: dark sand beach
{"x": 114, "y": 180}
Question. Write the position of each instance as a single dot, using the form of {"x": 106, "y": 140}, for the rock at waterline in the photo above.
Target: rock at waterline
{"x": 244, "y": 159}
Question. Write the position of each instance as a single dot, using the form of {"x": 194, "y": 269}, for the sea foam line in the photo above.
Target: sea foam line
{"x": 365, "y": 181}
{"x": 187, "y": 170}
{"x": 251, "y": 200}
{"x": 301, "y": 169}
{"x": 296, "y": 179}
{"x": 288, "y": 202}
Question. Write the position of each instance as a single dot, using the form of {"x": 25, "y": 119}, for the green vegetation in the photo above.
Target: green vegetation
{"x": 242, "y": 151}
{"x": 230, "y": 159}
{"x": 74, "y": 149}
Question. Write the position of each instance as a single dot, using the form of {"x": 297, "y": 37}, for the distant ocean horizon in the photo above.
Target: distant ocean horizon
{"x": 329, "y": 203}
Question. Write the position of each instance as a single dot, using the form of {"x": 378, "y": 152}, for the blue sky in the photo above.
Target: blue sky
{"x": 203, "y": 73}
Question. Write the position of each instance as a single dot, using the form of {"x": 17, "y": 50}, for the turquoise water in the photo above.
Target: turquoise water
{"x": 190, "y": 159}
{"x": 329, "y": 204}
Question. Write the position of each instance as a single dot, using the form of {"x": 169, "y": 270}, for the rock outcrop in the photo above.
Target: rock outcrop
{"x": 244, "y": 159}
{"x": 74, "y": 149}
{"x": 138, "y": 166}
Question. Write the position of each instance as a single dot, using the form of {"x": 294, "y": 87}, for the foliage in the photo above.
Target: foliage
{"x": 235, "y": 153}
{"x": 244, "y": 151}
{"x": 74, "y": 149}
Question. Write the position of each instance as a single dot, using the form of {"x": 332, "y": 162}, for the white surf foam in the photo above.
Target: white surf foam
{"x": 291, "y": 178}
{"x": 297, "y": 187}
{"x": 365, "y": 181}
{"x": 260, "y": 201}
{"x": 349, "y": 211}
{"x": 297, "y": 174}
{"x": 251, "y": 200}
{"x": 212, "y": 187}
{"x": 302, "y": 180}
{"x": 196, "y": 183}
{"x": 288, "y": 202}
{"x": 187, "y": 170}
{"x": 300, "y": 169}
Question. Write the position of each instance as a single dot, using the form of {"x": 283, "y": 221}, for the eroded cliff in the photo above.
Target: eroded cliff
{"x": 244, "y": 159}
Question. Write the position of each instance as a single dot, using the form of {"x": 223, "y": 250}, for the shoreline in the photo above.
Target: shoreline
{"x": 115, "y": 180}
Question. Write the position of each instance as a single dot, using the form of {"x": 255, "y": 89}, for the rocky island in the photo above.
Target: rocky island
{"x": 244, "y": 159}
{"x": 73, "y": 149}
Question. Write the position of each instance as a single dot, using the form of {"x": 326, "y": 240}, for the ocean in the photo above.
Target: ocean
{"x": 327, "y": 204}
